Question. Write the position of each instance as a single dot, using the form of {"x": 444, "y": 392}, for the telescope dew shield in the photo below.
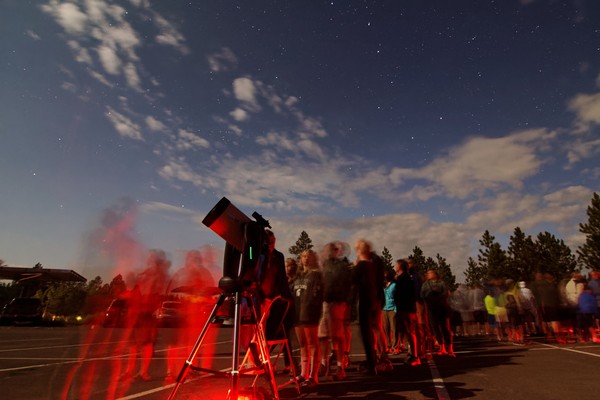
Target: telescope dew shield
{"x": 227, "y": 221}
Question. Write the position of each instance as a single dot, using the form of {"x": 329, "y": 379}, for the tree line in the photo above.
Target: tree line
{"x": 524, "y": 256}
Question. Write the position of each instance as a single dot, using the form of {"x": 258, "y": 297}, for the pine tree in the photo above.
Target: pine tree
{"x": 303, "y": 243}
{"x": 491, "y": 257}
{"x": 387, "y": 259}
{"x": 445, "y": 271}
{"x": 555, "y": 256}
{"x": 589, "y": 252}
{"x": 522, "y": 260}
{"x": 474, "y": 273}
{"x": 419, "y": 260}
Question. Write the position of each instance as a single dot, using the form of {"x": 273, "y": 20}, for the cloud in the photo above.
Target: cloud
{"x": 161, "y": 208}
{"x": 223, "y": 60}
{"x": 109, "y": 59}
{"x": 239, "y": 115}
{"x": 180, "y": 170}
{"x": 244, "y": 90}
{"x": 104, "y": 27}
{"x": 587, "y": 110}
{"x": 481, "y": 164}
{"x": 68, "y": 15}
{"x": 32, "y": 34}
{"x": 124, "y": 126}
{"x": 169, "y": 35}
{"x": 154, "y": 124}
{"x": 188, "y": 141}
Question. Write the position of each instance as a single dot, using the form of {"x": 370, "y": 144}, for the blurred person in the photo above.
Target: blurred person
{"x": 337, "y": 282}
{"x": 490, "y": 306}
{"x": 406, "y": 311}
{"x": 273, "y": 282}
{"x": 587, "y": 310}
{"x": 389, "y": 312}
{"x": 291, "y": 270}
{"x": 530, "y": 315}
{"x": 367, "y": 278}
{"x": 476, "y": 298}
{"x": 424, "y": 334}
{"x": 435, "y": 295}
{"x": 196, "y": 286}
{"x": 308, "y": 298}
{"x": 461, "y": 302}
{"x": 547, "y": 297}
{"x": 514, "y": 312}
{"x": 144, "y": 299}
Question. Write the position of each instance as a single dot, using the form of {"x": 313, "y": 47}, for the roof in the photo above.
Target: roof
{"x": 40, "y": 275}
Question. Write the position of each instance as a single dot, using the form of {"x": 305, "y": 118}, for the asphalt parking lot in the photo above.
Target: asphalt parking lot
{"x": 81, "y": 363}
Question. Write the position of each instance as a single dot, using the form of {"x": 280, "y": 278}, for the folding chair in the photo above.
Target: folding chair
{"x": 280, "y": 341}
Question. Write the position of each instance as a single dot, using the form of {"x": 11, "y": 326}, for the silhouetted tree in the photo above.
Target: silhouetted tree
{"x": 491, "y": 257}
{"x": 555, "y": 256}
{"x": 589, "y": 252}
{"x": 522, "y": 259}
{"x": 445, "y": 271}
{"x": 475, "y": 273}
{"x": 304, "y": 242}
{"x": 387, "y": 259}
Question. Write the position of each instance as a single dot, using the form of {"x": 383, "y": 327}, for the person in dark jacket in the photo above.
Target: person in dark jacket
{"x": 273, "y": 282}
{"x": 368, "y": 279}
{"x": 435, "y": 295}
{"x": 406, "y": 311}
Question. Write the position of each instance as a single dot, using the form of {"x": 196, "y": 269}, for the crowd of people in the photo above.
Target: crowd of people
{"x": 565, "y": 310}
{"x": 400, "y": 311}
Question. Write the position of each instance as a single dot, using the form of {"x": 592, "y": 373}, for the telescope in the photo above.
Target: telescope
{"x": 244, "y": 237}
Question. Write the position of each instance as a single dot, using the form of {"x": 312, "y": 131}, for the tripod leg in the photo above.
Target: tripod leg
{"x": 235, "y": 355}
{"x": 190, "y": 359}
{"x": 265, "y": 357}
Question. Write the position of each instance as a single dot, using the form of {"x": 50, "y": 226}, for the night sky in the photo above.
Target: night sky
{"x": 408, "y": 123}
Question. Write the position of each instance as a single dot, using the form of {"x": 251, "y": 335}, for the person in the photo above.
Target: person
{"x": 587, "y": 310}
{"x": 435, "y": 296}
{"x": 368, "y": 280}
{"x": 143, "y": 300}
{"x": 547, "y": 297}
{"x": 336, "y": 292}
{"x": 490, "y": 306}
{"x": 308, "y": 299}
{"x": 291, "y": 270}
{"x": 272, "y": 282}
{"x": 422, "y": 328}
{"x": 406, "y": 311}
{"x": 476, "y": 297}
{"x": 197, "y": 283}
{"x": 389, "y": 312}
{"x": 514, "y": 312}
{"x": 531, "y": 319}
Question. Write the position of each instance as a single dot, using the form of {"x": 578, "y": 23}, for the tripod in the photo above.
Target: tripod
{"x": 258, "y": 348}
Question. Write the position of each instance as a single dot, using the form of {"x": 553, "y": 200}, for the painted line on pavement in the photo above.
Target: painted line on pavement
{"x": 438, "y": 382}
{"x": 570, "y": 349}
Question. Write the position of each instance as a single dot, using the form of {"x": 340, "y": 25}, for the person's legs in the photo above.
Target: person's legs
{"x": 303, "y": 342}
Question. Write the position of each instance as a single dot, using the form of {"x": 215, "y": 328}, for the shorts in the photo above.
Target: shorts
{"x": 335, "y": 316}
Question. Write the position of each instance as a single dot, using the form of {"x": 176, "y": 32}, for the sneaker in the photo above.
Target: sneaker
{"x": 413, "y": 361}
{"x": 309, "y": 383}
{"x": 346, "y": 360}
{"x": 397, "y": 351}
{"x": 323, "y": 370}
{"x": 339, "y": 375}
{"x": 300, "y": 379}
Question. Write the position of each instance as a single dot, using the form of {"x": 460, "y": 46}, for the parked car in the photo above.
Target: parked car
{"x": 169, "y": 314}
{"x": 116, "y": 314}
{"x": 22, "y": 310}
